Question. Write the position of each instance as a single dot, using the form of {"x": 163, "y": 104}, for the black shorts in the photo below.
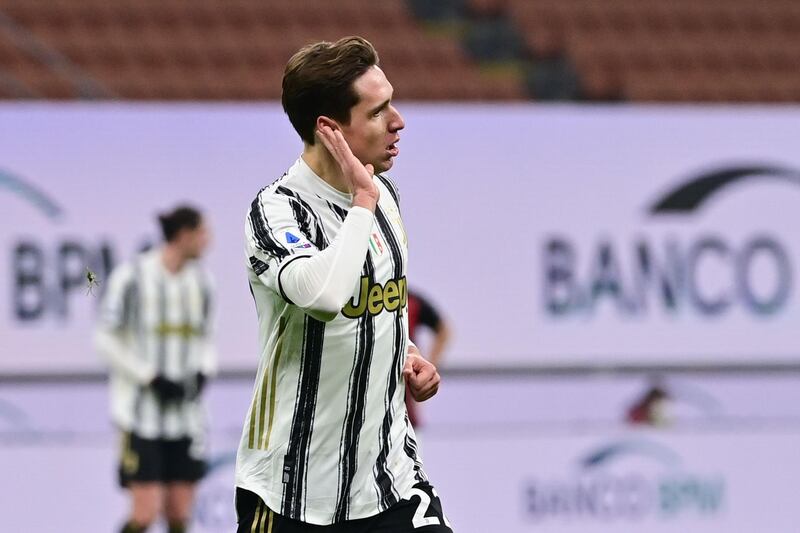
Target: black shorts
{"x": 421, "y": 513}
{"x": 158, "y": 460}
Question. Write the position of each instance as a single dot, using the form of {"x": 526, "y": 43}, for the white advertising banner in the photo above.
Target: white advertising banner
{"x": 546, "y": 235}
{"x": 561, "y": 461}
{"x": 620, "y": 481}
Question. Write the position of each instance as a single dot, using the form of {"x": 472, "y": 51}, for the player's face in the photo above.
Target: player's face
{"x": 195, "y": 241}
{"x": 374, "y": 126}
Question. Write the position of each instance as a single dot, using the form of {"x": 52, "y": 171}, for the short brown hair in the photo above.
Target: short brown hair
{"x": 318, "y": 80}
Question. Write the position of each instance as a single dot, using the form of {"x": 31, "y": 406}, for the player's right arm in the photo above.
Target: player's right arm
{"x": 110, "y": 337}
{"x": 286, "y": 260}
{"x": 318, "y": 281}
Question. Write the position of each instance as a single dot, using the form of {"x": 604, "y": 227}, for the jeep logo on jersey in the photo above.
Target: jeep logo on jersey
{"x": 374, "y": 298}
{"x": 708, "y": 272}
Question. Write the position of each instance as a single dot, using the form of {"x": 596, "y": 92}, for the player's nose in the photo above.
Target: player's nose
{"x": 396, "y": 123}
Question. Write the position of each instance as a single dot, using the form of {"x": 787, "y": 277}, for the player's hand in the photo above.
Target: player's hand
{"x": 357, "y": 175}
{"x": 167, "y": 390}
{"x": 421, "y": 377}
{"x": 197, "y": 385}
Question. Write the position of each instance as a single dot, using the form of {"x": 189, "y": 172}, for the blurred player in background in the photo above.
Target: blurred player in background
{"x": 422, "y": 314}
{"x": 155, "y": 334}
{"x": 327, "y": 440}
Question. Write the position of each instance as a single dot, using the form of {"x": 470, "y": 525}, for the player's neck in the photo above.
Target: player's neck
{"x": 324, "y": 166}
{"x": 172, "y": 259}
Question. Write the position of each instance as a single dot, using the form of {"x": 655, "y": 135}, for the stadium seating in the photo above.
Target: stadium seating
{"x": 681, "y": 50}
{"x": 220, "y": 50}
{"x": 641, "y": 50}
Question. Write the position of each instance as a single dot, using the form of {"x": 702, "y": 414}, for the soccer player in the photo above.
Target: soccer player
{"x": 327, "y": 445}
{"x": 155, "y": 333}
{"x": 423, "y": 314}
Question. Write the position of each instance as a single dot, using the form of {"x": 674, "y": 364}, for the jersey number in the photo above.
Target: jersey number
{"x": 420, "y": 519}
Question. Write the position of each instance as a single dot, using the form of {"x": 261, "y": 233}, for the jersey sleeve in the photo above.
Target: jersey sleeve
{"x": 278, "y": 231}
{"x": 117, "y": 305}
{"x": 116, "y": 322}
{"x": 208, "y": 359}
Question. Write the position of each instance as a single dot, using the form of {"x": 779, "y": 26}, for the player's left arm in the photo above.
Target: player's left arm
{"x": 208, "y": 360}
{"x": 207, "y": 363}
{"x": 207, "y": 370}
{"x": 421, "y": 375}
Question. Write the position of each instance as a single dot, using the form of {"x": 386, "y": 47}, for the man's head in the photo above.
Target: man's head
{"x": 184, "y": 230}
{"x": 340, "y": 84}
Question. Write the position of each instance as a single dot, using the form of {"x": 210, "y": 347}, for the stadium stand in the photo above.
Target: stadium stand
{"x": 214, "y": 50}
{"x": 640, "y": 50}
{"x": 681, "y": 50}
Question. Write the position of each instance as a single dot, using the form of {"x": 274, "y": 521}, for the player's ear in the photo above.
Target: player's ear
{"x": 327, "y": 121}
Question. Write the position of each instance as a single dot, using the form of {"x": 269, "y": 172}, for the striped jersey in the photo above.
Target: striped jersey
{"x": 326, "y": 438}
{"x": 163, "y": 321}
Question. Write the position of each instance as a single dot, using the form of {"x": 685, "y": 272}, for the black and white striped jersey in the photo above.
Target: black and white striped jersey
{"x": 162, "y": 322}
{"x": 326, "y": 438}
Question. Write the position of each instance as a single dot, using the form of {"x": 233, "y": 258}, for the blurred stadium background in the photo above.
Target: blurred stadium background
{"x": 601, "y": 197}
